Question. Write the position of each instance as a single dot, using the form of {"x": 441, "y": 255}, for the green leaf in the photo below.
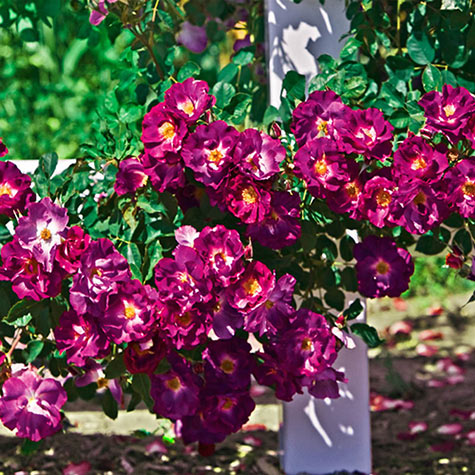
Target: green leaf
{"x": 29, "y": 35}
{"x": 429, "y": 245}
{"x": 463, "y": 241}
{"x": 271, "y": 114}
{"x": 367, "y": 333}
{"x": 109, "y": 405}
{"x": 335, "y": 298}
{"x": 34, "y": 349}
{"x": 432, "y": 78}
{"x": 21, "y": 309}
{"x": 346, "y": 247}
{"x": 420, "y": 49}
{"x": 294, "y": 85}
{"x": 244, "y": 56}
{"x": 354, "y": 310}
{"x": 141, "y": 384}
{"x": 224, "y": 92}
{"x": 188, "y": 70}
{"x": 116, "y": 367}
{"x": 47, "y": 164}
{"x": 29, "y": 447}
{"x": 228, "y": 73}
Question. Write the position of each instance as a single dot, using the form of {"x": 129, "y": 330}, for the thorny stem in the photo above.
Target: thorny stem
{"x": 14, "y": 344}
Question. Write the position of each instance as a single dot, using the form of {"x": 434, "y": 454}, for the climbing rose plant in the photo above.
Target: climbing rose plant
{"x": 177, "y": 275}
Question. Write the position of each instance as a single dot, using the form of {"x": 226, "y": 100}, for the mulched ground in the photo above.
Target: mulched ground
{"x": 407, "y": 388}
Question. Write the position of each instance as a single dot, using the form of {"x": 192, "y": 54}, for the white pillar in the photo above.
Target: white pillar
{"x": 319, "y": 436}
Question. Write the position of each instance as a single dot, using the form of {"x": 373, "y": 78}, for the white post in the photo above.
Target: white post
{"x": 319, "y": 436}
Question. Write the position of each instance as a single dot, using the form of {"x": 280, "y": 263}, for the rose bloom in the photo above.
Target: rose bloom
{"x": 15, "y": 191}
{"x": 30, "y": 405}
{"x": 130, "y": 177}
{"x": 461, "y": 187}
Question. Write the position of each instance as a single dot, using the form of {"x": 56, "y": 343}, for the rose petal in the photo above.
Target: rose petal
{"x": 450, "y": 429}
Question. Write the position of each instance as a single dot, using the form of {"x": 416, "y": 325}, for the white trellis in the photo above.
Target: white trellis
{"x": 319, "y": 436}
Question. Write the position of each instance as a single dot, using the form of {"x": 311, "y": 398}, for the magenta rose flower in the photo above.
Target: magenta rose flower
{"x": 415, "y": 158}
{"x": 28, "y": 277}
{"x": 469, "y": 131}
{"x": 130, "y": 177}
{"x": 15, "y": 189}
{"x": 461, "y": 187}
{"x": 321, "y": 115}
{"x": 144, "y": 356}
{"x": 382, "y": 268}
{"x": 189, "y": 99}
{"x": 99, "y": 11}
{"x": 448, "y": 111}
{"x": 131, "y": 312}
{"x": 226, "y": 319}
{"x": 192, "y": 37}
{"x": 102, "y": 268}
{"x": 72, "y": 247}
{"x": 162, "y": 131}
{"x": 258, "y": 155}
{"x": 41, "y": 230}
{"x": 209, "y": 152}
{"x": 80, "y": 337}
{"x": 252, "y": 289}
{"x": 176, "y": 392}
{"x": 281, "y": 226}
{"x": 30, "y": 405}
{"x": 166, "y": 173}
{"x": 246, "y": 199}
{"x": 222, "y": 251}
{"x": 367, "y": 132}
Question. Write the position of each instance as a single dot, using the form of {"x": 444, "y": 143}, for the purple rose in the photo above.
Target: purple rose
{"x": 382, "y": 268}
{"x": 192, "y": 37}
{"x": 258, "y": 155}
{"x": 41, "y": 230}
{"x": 461, "y": 187}
{"x": 99, "y": 11}
{"x": 30, "y": 405}
{"x": 144, "y": 356}
{"x": 448, "y": 111}
{"x": 72, "y": 247}
{"x": 15, "y": 191}
{"x": 130, "y": 177}
{"x": 166, "y": 173}
{"x": 209, "y": 152}
{"x": 3, "y": 148}
{"x": 80, "y": 337}
{"x": 189, "y": 99}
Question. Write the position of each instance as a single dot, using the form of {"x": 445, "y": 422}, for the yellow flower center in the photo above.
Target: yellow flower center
{"x": 307, "y": 344}
{"x": 322, "y": 127}
{"x": 102, "y": 383}
{"x": 321, "y": 167}
{"x": 352, "y": 189}
{"x": 174, "y": 384}
{"x": 188, "y": 107}
{"x": 249, "y": 195}
{"x": 468, "y": 188}
{"x": 419, "y": 164}
{"x": 370, "y": 133}
{"x": 167, "y": 130}
{"x": 45, "y": 234}
{"x": 5, "y": 189}
{"x": 382, "y": 267}
{"x": 129, "y": 311}
{"x": 184, "y": 320}
{"x": 215, "y": 156}
{"x": 383, "y": 198}
{"x": 251, "y": 286}
{"x": 96, "y": 271}
{"x": 228, "y": 404}
{"x": 420, "y": 198}
{"x": 269, "y": 304}
{"x": 449, "y": 110}
{"x": 227, "y": 366}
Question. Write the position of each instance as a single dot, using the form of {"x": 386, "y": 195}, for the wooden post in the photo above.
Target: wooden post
{"x": 319, "y": 436}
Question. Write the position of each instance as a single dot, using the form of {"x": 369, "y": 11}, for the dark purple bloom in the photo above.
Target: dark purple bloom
{"x": 30, "y": 405}
{"x": 221, "y": 250}
{"x": 276, "y": 312}
{"x": 166, "y": 173}
{"x": 415, "y": 158}
{"x": 382, "y": 268}
{"x": 226, "y": 319}
{"x": 321, "y": 115}
{"x": 100, "y": 11}
{"x": 144, "y": 356}
{"x": 209, "y": 152}
{"x": 469, "y": 131}
{"x": 72, "y": 247}
{"x": 448, "y": 111}
{"x": 131, "y": 312}
{"x": 102, "y": 268}
{"x": 422, "y": 206}
{"x": 176, "y": 392}
{"x": 192, "y": 37}
{"x": 162, "y": 131}
{"x": 189, "y": 100}
{"x": 130, "y": 177}
{"x": 252, "y": 289}
{"x": 258, "y": 155}
{"x": 228, "y": 364}
{"x": 28, "y": 277}
{"x": 281, "y": 226}
{"x": 368, "y": 133}
{"x": 246, "y": 199}
{"x": 461, "y": 187}
{"x": 80, "y": 337}
{"x": 15, "y": 191}
{"x": 325, "y": 384}
{"x": 41, "y": 230}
